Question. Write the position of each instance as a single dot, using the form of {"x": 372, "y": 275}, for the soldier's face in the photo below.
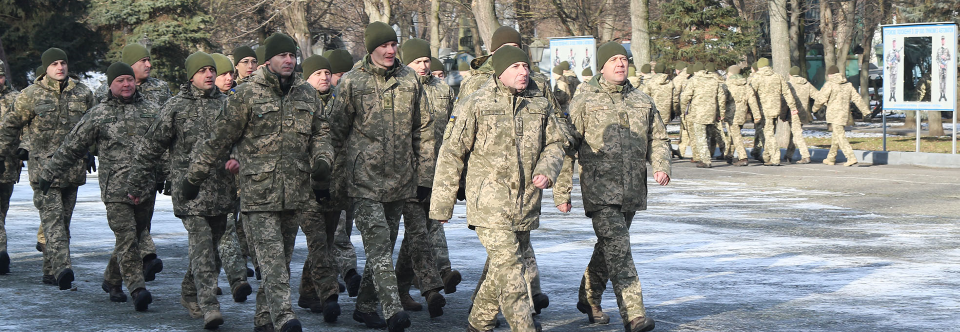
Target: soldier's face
{"x": 615, "y": 69}
{"x": 57, "y": 70}
{"x": 282, "y": 64}
{"x": 420, "y": 65}
{"x": 224, "y": 82}
{"x": 516, "y": 76}
{"x": 439, "y": 74}
{"x": 141, "y": 69}
{"x": 320, "y": 80}
{"x": 203, "y": 78}
{"x": 123, "y": 86}
{"x": 3, "y": 80}
{"x": 246, "y": 66}
{"x": 385, "y": 55}
{"x": 335, "y": 79}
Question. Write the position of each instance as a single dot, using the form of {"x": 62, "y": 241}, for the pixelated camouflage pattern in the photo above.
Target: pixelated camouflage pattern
{"x": 273, "y": 235}
{"x": 13, "y": 165}
{"x": 804, "y": 92}
{"x": 837, "y": 94}
{"x": 704, "y": 96}
{"x": 772, "y": 89}
{"x": 742, "y": 99}
{"x": 128, "y": 223}
{"x": 416, "y": 256}
{"x": 505, "y": 289}
{"x": 612, "y": 260}
{"x": 661, "y": 89}
{"x": 200, "y": 281}
{"x": 56, "y": 210}
{"x": 378, "y": 223}
{"x": 440, "y": 99}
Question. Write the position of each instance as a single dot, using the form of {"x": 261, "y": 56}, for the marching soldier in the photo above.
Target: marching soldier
{"x": 704, "y": 95}
{"x": 771, "y": 89}
{"x": 679, "y": 81}
{"x": 837, "y": 94}
{"x": 151, "y": 88}
{"x": 225, "y": 72}
{"x": 13, "y": 164}
{"x": 665, "y": 96}
{"x": 803, "y": 91}
{"x": 742, "y": 99}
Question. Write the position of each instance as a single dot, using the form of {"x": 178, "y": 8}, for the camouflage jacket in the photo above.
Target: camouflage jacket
{"x": 837, "y": 94}
{"x": 440, "y": 101}
{"x": 636, "y": 81}
{"x": 510, "y": 139}
{"x": 386, "y": 135}
{"x": 116, "y": 128}
{"x": 45, "y": 113}
{"x": 13, "y": 165}
{"x": 278, "y": 137}
{"x": 771, "y": 90}
{"x": 566, "y": 86}
{"x": 622, "y": 132}
{"x": 152, "y": 89}
{"x": 742, "y": 99}
{"x": 337, "y": 185}
{"x": 660, "y": 88}
{"x": 185, "y": 119}
{"x": 702, "y": 97}
{"x": 483, "y": 75}
{"x": 803, "y": 91}
{"x": 678, "y": 83}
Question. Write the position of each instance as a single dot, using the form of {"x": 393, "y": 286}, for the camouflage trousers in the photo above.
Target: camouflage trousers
{"x": 701, "y": 147}
{"x": 685, "y": 128}
{"x": 531, "y": 271}
{"x": 378, "y": 223}
{"x": 416, "y": 251}
{"x": 243, "y": 240}
{"x": 200, "y": 282}
{"x": 438, "y": 239}
{"x": 319, "y": 278}
{"x": 718, "y": 138}
{"x": 127, "y": 222}
{"x": 736, "y": 142}
{"x": 506, "y": 289}
{"x": 272, "y": 235}
{"x": 6, "y": 190}
{"x": 758, "y": 140}
{"x": 771, "y": 151}
{"x": 839, "y": 139}
{"x": 613, "y": 260}
{"x": 796, "y": 138}
{"x": 345, "y": 255}
{"x": 230, "y": 254}
{"x": 56, "y": 210}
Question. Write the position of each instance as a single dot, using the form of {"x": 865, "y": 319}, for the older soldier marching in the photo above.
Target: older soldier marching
{"x": 280, "y": 140}
{"x": 803, "y": 91}
{"x": 377, "y": 119}
{"x": 837, "y": 94}
{"x": 772, "y": 90}
{"x": 742, "y": 99}
{"x": 115, "y": 126}
{"x": 507, "y": 113}
{"x": 704, "y": 95}
{"x": 44, "y": 113}
{"x": 621, "y": 131}
{"x": 12, "y": 163}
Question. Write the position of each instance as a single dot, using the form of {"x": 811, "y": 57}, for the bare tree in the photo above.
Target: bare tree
{"x": 837, "y": 19}
{"x": 486, "y": 18}
{"x": 779, "y": 31}
{"x": 377, "y": 10}
{"x": 295, "y": 24}
{"x": 435, "y": 28}
{"x": 640, "y": 41}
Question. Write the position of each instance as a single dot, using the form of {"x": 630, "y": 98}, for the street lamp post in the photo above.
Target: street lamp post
{"x": 536, "y": 51}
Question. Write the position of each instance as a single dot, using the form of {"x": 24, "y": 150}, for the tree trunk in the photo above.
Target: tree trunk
{"x": 295, "y": 23}
{"x": 435, "y": 28}
{"x": 910, "y": 121}
{"x": 935, "y": 122}
{"x": 796, "y": 35}
{"x": 377, "y": 10}
{"x": 607, "y": 22}
{"x": 779, "y": 31}
{"x": 487, "y": 22}
{"x": 525, "y": 21}
{"x": 836, "y": 35}
{"x": 640, "y": 40}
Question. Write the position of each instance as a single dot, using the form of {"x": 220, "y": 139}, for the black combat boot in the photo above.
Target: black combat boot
{"x": 240, "y": 291}
{"x": 141, "y": 299}
{"x": 4, "y": 262}
{"x": 540, "y": 301}
{"x": 353, "y": 279}
{"x": 435, "y": 303}
{"x": 408, "y": 303}
{"x": 65, "y": 279}
{"x": 370, "y": 319}
{"x": 398, "y": 322}
{"x": 451, "y": 278}
{"x": 292, "y": 325}
{"x": 151, "y": 266}
{"x": 115, "y": 291}
{"x": 329, "y": 307}
{"x": 640, "y": 324}
{"x": 49, "y": 279}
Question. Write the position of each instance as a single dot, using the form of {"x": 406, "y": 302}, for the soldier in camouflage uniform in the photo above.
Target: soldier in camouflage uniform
{"x": 416, "y": 254}
{"x": 280, "y": 138}
{"x": 771, "y": 89}
{"x": 506, "y": 113}
{"x": 13, "y": 164}
{"x": 44, "y": 113}
{"x": 632, "y": 76}
{"x": 318, "y": 283}
{"x": 679, "y": 81}
{"x": 837, "y": 94}
{"x": 185, "y": 119}
{"x": 717, "y": 134}
{"x": 566, "y": 85}
{"x": 115, "y": 126}
{"x": 377, "y": 119}
{"x": 803, "y": 91}
{"x": 664, "y": 94}
{"x": 742, "y": 99}
{"x": 702, "y": 97}
{"x": 245, "y": 61}
{"x": 225, "y": 74}
{"x": 621, "y": 131}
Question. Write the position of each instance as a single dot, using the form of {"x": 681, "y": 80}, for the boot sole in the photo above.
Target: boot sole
{"x": 142, "y": 301}
{"x": 213, "y": 324}
{"x": 151, "y": 273}
{"x": 241, "y": 293}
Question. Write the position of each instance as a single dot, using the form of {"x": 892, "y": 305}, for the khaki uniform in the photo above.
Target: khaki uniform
{"x": 771, "y": 89}
{"x": 837, "y": 94}
{"x": 503, "y": 205}
{"x": 679, "y": 82}
{"x": 278, "y": 136}
{"x": 13, "y": 166}
{"x": 661, "y": 89}
{"x": 566, "y": 87}
{"x": 116, "y": 128}
{"x": 742, "y": 99}
{"x": 704, "y": 94}
{"x": 44, "y": 114}
{"x": 389, "y": 147}
{"x": 803, "y": 91}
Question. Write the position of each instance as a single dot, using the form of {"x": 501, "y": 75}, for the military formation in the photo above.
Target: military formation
{"x": 260, "y": 144}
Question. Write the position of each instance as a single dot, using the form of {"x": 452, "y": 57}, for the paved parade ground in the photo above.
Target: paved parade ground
{"x": 792, "y": 248}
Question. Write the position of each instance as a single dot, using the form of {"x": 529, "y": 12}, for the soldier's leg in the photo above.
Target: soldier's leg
{"x": 378, "y": 224}
{"x": 200, "y": 281}
{"x": 771, "y": 151}
{"x": 840, "y": 136}
{"x": 594, "y": 280}
{"x": 346, "y": 254}
{"x": 6, "y": 190}
{"x": 318, "y": 282}
{"x": 796, "y": 130}
{"x": 613, "y": 230}
{"x": 270, "y": 234}
{"x": 757, "y": 152}
{"x": 230, "y": 254}
{"x": 684, "y": 135}
{"x": 725, "y": 130}
{"x": 125, "y": 264}
{"x": 438, "y": 238}
{"x": 420, "y": 253}
{"x": 532, "y": 272}
{"x": 41, "y": 240}
{"x": 56, "y": 254}
{"x": 832, "y": 154}
{"x": 506, "y": 288}
{"x": 699, "y": 136}
{"x": 736, "y": 139}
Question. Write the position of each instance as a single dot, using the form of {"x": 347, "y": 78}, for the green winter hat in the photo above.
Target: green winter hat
{"x": 50, "y": 55}
{"x": 502, "y": 36}
{"x": 507, "y": 56}
{"x": 833, "y": 70}
{"x": 534, "y": 69}
{"x": 463, "y": 66}
{"x": 223, "y": 63}
{"x": 607, "y": 51}
{"x": 710, "y": 67}
{"x": 376, "y": 34}
{"x": 260, "y": 50}
{"x": 279, "y": 43}
{"x": 243, "y": 52}
{"x": 133, "y": 53}
{"x": 197, "y": 61}
{"x": 413, "y": 49}
{"x": 680, "y": 65}
{"x": 587, "y": 72}
{"x": 794, "y": 71}
{"x": 340, "y": 60}
{"x": 313, "y": 64}
{"x": 733, "y": 70}
{"x": 659, "y": 68}
{"x": 632, "y": 71}
{"x": 118, "y": 69}
{"x": 754, "y": 66}
{"x": 558, "y": 69}
{"x": 695, "y": 68}
{"x": 437, "y": 65}
{"x": 645, "y": 68}
{"x": 763, "y": 62}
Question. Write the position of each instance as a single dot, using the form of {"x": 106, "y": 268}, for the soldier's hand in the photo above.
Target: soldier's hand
{"x": 423, "y": 193}
{"x": 45, "y": 185}
{"x": 461, "y": 193}
{"x": 565, "y": 207}
{"x": 661, "y": 178}
{"x": 321, "y": 195}
{"x": 541, "y": 181}
{"x": 135, "y": 199}
{"x": 795, "y": 112}
{"x": 232, "y": 166}
{"x": 91, "y": 163}
{"x": 321, "y": 170}
{"x": 189, "y": 190}
{"x": 23, "y": 154}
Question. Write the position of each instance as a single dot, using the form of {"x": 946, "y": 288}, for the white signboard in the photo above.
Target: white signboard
{"x": 580, "y": 52}
{"x": 919, "y": 67}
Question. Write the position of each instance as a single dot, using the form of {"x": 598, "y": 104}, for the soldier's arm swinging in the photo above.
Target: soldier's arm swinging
{"x": 658, "y": 153}
{"x": 458, "y": 141}
{"x": 227, "y": 130}
{"x": 75, "y": 146}
{"x": 11, "y": 127}
{"x": 155, "y": 143}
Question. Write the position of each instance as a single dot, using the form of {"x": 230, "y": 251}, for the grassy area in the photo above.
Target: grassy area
{"x": 903, "y": 144}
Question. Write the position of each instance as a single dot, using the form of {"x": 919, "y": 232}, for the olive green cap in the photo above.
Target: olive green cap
{"x": 376, "y": 34}
{"x": 314, "y": 63}
{"x": 197, "y": 61}
{"x": 463, "y": 66}
{"x": 763, "y": 62}
{"x": 260, "y": 53}
{"x": 133, "y": 53}
{"x": 413, "y": 49}
{"x": 733, "y": 70}
{"x": 340, "y": 60}
{"x": 833, "y": 70}
{"x": 710, "y": 67}
{"x": 243, "y": 52}
{"x": 558, "y": 69}
{"x": 645, "y": 68}
{"x": 587, "y": 72}
{"x": 607, "y": 51}
{"x": 502, "y": 36}
{"x": 659, "y": 68}
{"x": 118, "y": 69}
{"x": 223, "y": 63}
{"x": 436, "y": 64}
{"x": 632, "y": 71}
{"x": 680, "y": 65}
{"x": 794, "y": 71}
{"x": 50, "y": 56}
{"x": 278, "y": 43}
{"x": 506, "y": 56}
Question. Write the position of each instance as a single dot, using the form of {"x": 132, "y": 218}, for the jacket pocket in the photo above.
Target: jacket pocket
{"x": 264, "y": 118}
{"x": 259, "y": 177}
{"x": 46, "y": 118}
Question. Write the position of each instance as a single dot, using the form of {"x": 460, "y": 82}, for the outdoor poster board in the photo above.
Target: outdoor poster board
{"x": 919, "y": 67}
{"x": 580, "y": 52}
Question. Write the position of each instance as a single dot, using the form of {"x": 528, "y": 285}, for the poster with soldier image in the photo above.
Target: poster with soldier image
{"x": 579, "y": 52}
{"x": 919, "y": 67}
